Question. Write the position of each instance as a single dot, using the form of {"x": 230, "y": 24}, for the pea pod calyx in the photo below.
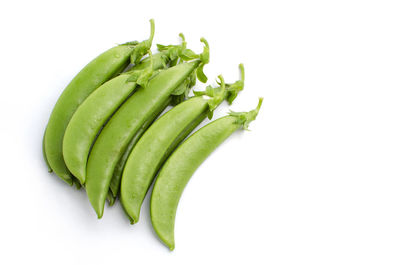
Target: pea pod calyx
{"x": 143, "y": 47}
{"x": 244, "y": 118}
{"x": 142, "y": 76}
{"x": 205, "y": 59}
{"x": 233, "y": 89}
{"x": 224, "y": 92}
{"x": 178, "y": 53}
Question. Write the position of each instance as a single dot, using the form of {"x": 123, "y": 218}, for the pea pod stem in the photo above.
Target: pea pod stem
{"x": 143, "y": 47}
{"x": 181, "y": 165}
{"x": 205, "y": 58}
{"x": 229, "y": 93}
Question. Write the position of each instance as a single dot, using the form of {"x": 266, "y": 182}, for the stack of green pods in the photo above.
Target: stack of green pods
{"x": 107, "y": 132}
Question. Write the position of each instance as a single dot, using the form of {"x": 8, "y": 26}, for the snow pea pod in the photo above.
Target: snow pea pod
{"x": 92, "y": 114}
{"x": 179, "y": 95}
{"x": 182, "y": 164}
{"x": 125, "y": 123}
{"x": 117, "y": 175}
{"x": 162, "y": 138}
{"x": 45, "y": 156}
{"x": 89, "y": 117}
{"x": 93, "y": 75}
{"x": 110, "y": 198}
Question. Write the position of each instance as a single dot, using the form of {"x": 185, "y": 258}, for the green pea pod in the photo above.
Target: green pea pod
{"x": 110, "y": 198}
{"x": 175, "y": 54}
{"x": 77, "y": 183}
{"x": 125, "y": 123}
{"x": 89, "y": 117}
{"x": 179, "y": 95}
{"x": 182, "y": 164}
{"x": 93, "y": 75}
{"x": 117, "y": 175}
{"x": 161, "y": 139}
{"x": 44, "y": 155}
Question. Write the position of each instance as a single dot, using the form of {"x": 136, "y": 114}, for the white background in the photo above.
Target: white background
{"x": 315, "y": 181}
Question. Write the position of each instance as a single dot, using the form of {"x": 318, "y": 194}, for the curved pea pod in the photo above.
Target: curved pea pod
{"x": 179, "y": 95}
{"x": 93, "y": 75}
{"x": 110, "y": 198}
{"x": 182, "y": 164}
{"x": 161, "y": 139}
{"x": 93, "y": 113}
{"x": 45, "y": 157}
{"x": 89, "y": 118}
{"x": 176, "y": 54}
{"x": 123, "y": 126}
{"x": 117, "y": 174}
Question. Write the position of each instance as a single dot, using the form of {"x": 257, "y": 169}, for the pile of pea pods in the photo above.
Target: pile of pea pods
{"x": 107, "y": 135}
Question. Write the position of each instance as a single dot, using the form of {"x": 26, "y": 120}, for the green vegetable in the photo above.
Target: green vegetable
{"x": 93, "y": 75}
{"x": 123, "y": 126}
{"x": 110, "y": 198}
{"x": 100, "y": 105}
{"x": 181, "y": 165}
{"x": 161, "y": 139}
{"x": 117, "y": 175}
{"x": 103, "y": 133}
{"x": 89, "y": 118}
{"x": 44, "y": 155}
{"x": 176, "y": 54}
